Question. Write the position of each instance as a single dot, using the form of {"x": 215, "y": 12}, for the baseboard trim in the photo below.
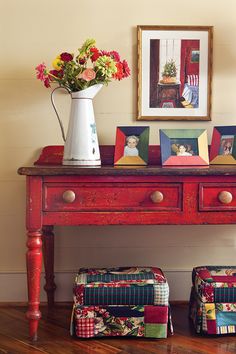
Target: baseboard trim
{"x": 179, "y": 283}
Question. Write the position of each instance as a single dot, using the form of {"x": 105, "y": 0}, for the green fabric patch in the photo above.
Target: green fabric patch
{"x": 156, "y": 330}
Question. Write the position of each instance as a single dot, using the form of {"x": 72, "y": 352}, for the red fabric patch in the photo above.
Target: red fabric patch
{"x": 224, "y": 279}
{"x": 204, "y": 274}
{"x": 211, "y": 326}
{"x": 85, "y": 327}
{"x": 158, "y": 275}
{"x": 155, "y": 314}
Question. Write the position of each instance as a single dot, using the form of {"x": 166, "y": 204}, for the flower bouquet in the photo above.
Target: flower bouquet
{"x": 89, "y": 67}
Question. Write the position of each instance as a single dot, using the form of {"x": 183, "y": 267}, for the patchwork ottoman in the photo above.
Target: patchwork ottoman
{"x": 123, "y": 301}
{"x": 213, "y": 299}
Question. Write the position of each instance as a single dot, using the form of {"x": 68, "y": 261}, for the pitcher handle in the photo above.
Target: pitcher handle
{"x": 54, "y": 106}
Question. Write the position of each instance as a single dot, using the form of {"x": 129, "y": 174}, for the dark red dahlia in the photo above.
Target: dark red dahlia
{"x": 66, "y": 56}
{"x": 56, "y": 73}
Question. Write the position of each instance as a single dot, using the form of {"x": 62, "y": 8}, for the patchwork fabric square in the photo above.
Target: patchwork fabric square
{"x": 213, "y": 299}
{"x": 126, "y": 301}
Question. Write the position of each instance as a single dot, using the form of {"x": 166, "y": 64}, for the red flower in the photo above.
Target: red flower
{"x": 123, "y": 70}
{"x": 126, "y": 69}
{"x": 119, "y": 74}
{"x": 95, "y": 54}
{"x": 66, "y": 56}
{"x": 82, "y": 61}
{"x": 56, "y": 73}
{"x": 47, "y": 82}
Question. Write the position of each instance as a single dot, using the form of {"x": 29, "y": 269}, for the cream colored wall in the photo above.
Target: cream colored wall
{"x": 32, "y": 32}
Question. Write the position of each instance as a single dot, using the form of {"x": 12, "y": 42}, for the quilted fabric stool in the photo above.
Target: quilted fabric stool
{"x": 121, "y": 302}
{"x": 213, "y": 299}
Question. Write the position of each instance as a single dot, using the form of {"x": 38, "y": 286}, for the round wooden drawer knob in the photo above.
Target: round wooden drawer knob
{"x": 157, "y": 197}
{"x": 68, "y": 196}
{"x": 225, "y": 197}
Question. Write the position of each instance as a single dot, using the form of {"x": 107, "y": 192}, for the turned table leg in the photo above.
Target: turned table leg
{"x": 34, "y": 267}
{"x": 48, "y": 256}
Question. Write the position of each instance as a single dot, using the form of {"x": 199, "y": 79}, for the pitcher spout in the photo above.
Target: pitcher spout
{"x": 89, "y": 92}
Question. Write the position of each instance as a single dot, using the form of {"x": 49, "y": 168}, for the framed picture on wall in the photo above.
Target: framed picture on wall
{"x": 131, "y": 146}
{"x": 184, "y": 147}
{"x": 174, "y": 72}
{"x": 223, "y": 146}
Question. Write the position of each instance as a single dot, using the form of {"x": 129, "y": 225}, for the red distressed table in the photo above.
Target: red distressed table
{"x": 108, "y": 195}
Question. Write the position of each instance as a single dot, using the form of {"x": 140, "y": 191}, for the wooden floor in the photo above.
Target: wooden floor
{"x": 54, "y": 336}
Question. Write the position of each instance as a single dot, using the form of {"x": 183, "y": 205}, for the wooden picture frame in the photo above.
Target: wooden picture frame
{"x": 184, "y": 147}
{"x": 131, "y": 146}
{"x": 183, "y": 54}
{"x": 223, "y": 145}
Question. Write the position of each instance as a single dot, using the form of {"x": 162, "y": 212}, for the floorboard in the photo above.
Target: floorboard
{"x": 54, "y": 337}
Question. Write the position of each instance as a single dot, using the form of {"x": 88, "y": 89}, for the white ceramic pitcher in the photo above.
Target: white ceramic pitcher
{"x": 81, "y": 143}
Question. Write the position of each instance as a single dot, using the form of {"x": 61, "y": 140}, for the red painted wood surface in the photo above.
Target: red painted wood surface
{"x": 209, "y": 196}
{"x": 109, "y": 195}
{"x": 52, "y": 155}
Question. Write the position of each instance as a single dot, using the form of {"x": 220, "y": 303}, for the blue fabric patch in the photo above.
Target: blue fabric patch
{"x": 125, "y": 311}
{"x": 225, "y": 318}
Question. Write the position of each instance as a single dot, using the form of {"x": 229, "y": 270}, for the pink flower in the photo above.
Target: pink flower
{"x": 66, "y": 56}
{"x": 112, "y": 54}
{"x": 105, "y": 52}
{"x": 115, "y": 55}
{"x": 41, "y": 71}
{"x": 42, "y": 75}
{"x": 88, "y": 74}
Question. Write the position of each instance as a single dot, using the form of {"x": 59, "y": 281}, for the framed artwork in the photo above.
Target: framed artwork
{"x": 131, "y": 146}
{"x": 174, "y": 72}
{"x": 183, "y": 147}
{"x": 223, "y": 146}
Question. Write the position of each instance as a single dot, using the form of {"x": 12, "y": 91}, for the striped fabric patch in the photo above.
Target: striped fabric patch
{"x": 226, "y": 329}
{"x": 133, "y": 295}
{"x": 108, "y": 277}
{"x": 225, "y": 295}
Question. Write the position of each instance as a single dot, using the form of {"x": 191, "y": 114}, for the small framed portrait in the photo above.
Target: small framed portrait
{"x": 223, "y": 146}
{"x": 174, "y": 72}
{"x": 183, "y": 147}
{"x": 131, "y": 146}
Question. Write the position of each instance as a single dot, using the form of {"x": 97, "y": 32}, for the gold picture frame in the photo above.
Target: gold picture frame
{"x": 174, "y": 72}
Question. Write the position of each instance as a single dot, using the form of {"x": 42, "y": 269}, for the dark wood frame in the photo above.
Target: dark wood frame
{"x": 140, "y": 30}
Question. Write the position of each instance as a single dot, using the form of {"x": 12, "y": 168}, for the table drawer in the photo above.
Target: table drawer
{"x": 217, "y": 196}
{"x": 112, "y": 196}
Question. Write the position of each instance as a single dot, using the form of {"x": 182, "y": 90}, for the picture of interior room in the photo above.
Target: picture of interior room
{"x": 174, "y": 73}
